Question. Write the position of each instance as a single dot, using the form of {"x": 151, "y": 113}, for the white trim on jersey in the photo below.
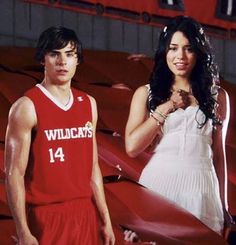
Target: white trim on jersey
{"x": 55, "y": 101}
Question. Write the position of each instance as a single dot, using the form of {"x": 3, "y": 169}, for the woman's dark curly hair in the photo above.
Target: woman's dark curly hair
{"x": 204, "y": 75}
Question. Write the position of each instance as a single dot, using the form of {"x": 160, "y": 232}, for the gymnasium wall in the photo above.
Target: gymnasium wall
{"x": 22, "y": 22}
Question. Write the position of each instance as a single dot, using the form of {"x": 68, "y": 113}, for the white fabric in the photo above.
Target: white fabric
{"x": 181, "y": 168}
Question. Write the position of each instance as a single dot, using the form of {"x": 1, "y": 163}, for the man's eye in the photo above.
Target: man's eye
{"x": 71, "y": 54}
{"x": 52, "y": 54}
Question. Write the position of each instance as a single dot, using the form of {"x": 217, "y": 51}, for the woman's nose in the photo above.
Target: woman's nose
{"x": 180, "y": 54}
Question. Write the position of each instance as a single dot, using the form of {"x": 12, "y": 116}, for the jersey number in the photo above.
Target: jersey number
{"x": 57, "y": 154}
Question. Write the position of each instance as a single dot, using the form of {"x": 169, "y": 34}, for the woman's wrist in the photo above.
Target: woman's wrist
{"x": 172, "y": 105}
{"x": 159, "y": 120}
{"x": 166, "y": 108}
{"x": 161, "y": 112}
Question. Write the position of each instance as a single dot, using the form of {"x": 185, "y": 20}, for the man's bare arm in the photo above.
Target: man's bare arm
{"x": 21, "y": 121}
{"x": 97, "y": 187}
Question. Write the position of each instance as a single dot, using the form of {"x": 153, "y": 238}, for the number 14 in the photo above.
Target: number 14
{"x": 57, "y": 154}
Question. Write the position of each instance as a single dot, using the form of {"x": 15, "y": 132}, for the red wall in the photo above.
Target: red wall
{"x": 203, "y": 11}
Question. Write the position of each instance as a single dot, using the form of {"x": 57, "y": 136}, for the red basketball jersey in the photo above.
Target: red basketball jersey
{"x": 61, "y": 154}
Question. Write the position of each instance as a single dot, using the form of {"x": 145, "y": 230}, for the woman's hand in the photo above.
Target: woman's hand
{"x": 180, "y": 99}
{"x": 229, "y": 224}
{"x": 131, "y": 236}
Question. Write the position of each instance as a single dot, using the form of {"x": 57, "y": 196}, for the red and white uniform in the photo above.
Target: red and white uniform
{"x": 61, "y": 155}
{"x": 60, "y": 163}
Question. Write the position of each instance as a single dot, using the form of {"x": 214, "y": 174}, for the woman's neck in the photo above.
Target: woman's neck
{"x": 183, "y": 84}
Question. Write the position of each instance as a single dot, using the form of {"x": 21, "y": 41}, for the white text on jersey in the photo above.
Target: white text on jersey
{"x": 68, "y": 133}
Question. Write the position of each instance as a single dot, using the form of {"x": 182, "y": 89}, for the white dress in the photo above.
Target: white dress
{"x": 181, "y": 168}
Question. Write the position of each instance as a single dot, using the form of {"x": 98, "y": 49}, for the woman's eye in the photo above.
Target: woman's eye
{"x": 190, "y": 50}
{"x": 173, "y": 48}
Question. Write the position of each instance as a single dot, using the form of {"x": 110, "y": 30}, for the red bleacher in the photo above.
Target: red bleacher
{"x": 112, "y": 77}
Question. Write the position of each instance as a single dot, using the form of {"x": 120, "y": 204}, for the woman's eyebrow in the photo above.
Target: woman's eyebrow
{"x": 174, "y": 44}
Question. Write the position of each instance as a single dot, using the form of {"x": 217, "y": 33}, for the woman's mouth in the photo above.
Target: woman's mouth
{"x": 181, "y": 66}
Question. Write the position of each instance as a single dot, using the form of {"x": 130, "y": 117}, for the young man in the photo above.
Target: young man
{"x": 53, "y": 178}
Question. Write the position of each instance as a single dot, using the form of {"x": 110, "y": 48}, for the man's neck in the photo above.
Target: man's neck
{"x": 61, "y": 92}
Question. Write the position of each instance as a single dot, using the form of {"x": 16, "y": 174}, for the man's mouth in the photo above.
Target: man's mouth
{"x": 62, "y": 71}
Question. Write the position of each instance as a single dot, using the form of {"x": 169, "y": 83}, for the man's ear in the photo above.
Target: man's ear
{"x": 42, "y": 61}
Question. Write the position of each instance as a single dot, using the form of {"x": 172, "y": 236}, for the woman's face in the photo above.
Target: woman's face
{"x": 180, "y": 57}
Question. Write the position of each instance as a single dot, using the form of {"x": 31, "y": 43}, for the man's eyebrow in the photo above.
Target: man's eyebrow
{"x": 67, "y": 51}
{"x": 54, "y": 51}
{"x": 70, "y": 51}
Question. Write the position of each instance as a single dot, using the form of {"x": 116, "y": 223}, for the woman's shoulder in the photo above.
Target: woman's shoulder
{"x": 223, "y": 104}
{"x": 222, "y": 95}
{"x": 141, "y": 93}
{"x": 144, "y": 89}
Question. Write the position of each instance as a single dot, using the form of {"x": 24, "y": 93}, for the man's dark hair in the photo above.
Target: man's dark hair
{"x": 57, "y": 38}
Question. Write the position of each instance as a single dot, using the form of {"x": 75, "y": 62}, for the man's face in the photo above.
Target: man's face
{"x": 60, "y": 64}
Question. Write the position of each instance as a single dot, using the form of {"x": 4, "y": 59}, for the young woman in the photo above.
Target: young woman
{"x": 184, "y": 115}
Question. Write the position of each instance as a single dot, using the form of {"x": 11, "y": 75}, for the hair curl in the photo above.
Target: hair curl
{"x": 204, "y": 76}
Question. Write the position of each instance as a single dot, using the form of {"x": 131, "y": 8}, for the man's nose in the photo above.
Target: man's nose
{"x": 61, "y": 59}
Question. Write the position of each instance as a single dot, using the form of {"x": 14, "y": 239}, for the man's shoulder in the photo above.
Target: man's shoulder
{"x": 79, "y": 94}
{"x": 22, "y": 108}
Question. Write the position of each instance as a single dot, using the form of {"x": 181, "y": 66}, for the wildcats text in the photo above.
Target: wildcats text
{"x": 68, "y": 133}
